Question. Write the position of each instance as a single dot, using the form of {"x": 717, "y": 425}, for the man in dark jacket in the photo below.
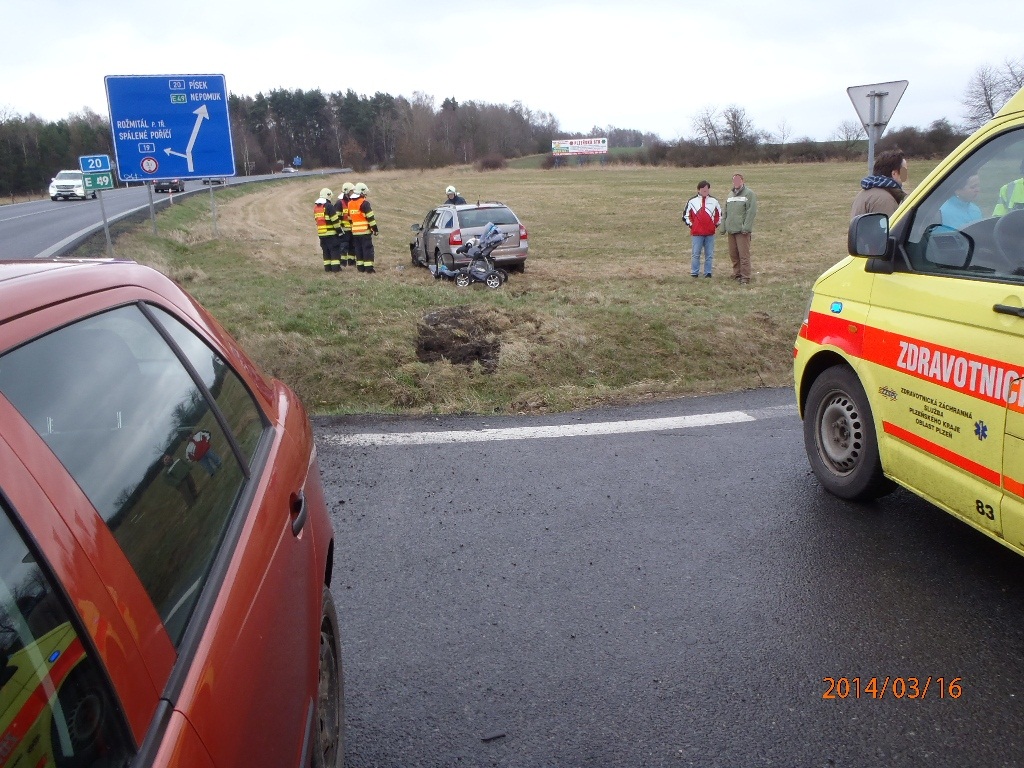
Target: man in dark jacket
{"x": 882, "y": 191}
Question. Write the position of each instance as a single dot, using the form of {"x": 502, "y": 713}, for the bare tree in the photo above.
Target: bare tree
{"x": 739, "y": 129}
{"x": 989, "y": 89}
{"x": 706, "y": 126}
{"x": 848, "y": 133}
{"x": 782, "y": 132}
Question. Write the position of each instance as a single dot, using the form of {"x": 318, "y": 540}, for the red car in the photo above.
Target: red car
{"x": 165, "y": 550}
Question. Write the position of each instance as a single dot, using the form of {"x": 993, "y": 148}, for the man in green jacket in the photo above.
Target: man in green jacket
{"x": 737, "y": 223}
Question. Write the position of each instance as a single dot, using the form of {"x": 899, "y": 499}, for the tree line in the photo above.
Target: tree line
{"x": 383, "y": 131}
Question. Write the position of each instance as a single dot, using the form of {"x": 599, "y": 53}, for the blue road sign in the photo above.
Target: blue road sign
{"x": 94, "y": 163}
{"x": 170, "y": 126}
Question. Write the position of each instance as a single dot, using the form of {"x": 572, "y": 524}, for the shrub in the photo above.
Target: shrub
{"x": 492, "y": 162}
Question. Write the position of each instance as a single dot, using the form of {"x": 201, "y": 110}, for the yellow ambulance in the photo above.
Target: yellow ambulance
{"x": 908, "y": 366}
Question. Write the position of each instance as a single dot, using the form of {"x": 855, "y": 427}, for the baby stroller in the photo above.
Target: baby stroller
{"x": 481, "y": 266}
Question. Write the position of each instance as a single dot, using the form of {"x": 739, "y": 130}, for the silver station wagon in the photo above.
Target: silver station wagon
{"x": 447, "y": 227}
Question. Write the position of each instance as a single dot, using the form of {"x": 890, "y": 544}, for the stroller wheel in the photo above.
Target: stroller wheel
{"x": 462, "y": 280}
{"x": 493, "y": 280}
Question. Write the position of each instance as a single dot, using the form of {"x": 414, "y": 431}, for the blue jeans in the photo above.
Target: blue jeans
{"x": 707, "y": 244}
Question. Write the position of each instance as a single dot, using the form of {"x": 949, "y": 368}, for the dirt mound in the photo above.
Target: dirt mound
{"x": 460, "y": 335}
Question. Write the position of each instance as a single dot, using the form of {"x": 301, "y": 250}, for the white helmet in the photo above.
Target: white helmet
{"x": 326, "y": 193}
{"x": 361, "y": 188}
{"x": 347, "y": 187}
{"x": 450, "y": 190}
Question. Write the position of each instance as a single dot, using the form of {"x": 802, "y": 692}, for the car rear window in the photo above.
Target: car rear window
{"x": 136, "y": 429}
{"x": 479, "y": 217}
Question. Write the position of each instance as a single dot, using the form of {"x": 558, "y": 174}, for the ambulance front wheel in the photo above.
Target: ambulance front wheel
{"x": 840, "y": 439}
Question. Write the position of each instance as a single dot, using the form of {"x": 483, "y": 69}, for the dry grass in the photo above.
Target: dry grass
{"x": 605, "y": 313}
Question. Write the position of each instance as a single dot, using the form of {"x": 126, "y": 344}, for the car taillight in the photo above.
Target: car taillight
{"x": 455, "y": 238}
{"x": 522, "y": 232}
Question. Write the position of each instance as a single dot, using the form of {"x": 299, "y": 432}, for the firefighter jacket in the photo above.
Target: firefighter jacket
{"x": 346, "y": 223}
{"x": 361, "y": 217}
{"x": 328, "y": 221}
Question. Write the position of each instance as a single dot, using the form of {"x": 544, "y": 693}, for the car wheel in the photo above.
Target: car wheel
{"x": 83, "y": 713}
{"x": 493, "y": 280}
{"x": 462, "y": 280}
{"x": 840, "y": 439}
{"x": 54, "y": 198}
{"x": 329, "y": 738}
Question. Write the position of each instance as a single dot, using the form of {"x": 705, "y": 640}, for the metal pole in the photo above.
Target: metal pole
{"x": 106, "y": 228}
{"x": 152, "y": 210}
{"x": 213, "y": 209}
{"x": 871, "y": 132}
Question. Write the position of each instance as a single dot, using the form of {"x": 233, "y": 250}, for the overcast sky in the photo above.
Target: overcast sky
{"x": 650, "y": 65}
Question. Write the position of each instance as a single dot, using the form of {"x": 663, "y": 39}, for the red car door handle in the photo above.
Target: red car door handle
{"x": 298, "y": 510}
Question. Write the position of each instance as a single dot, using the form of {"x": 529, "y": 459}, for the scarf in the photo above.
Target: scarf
{"x": 885, "y": 182}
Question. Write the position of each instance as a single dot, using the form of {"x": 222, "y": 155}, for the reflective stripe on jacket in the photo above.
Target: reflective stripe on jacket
{"x": 1011, "y": 197}
{"x": 328, "y": 222}
{"x": 360, "y": 214}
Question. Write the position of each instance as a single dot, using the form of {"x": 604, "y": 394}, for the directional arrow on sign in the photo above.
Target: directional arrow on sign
{"x": 201, "y": 114}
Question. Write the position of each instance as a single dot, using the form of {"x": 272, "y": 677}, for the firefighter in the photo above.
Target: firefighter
{"x": 452, "y": 196}
{"x": 364, "y": 227}
{"x": 348, "y": 255}
{"x": 328, "y": 229}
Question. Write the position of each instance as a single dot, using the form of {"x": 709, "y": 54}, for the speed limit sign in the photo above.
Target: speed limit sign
{"x": 149, "y": 164}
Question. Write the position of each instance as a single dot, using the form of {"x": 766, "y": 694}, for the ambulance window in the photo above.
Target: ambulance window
{"x": 972, "y": 224}
{"x": 55, "y": 702}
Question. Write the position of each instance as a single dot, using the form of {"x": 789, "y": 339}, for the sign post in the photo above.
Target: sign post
{"x": 875, "y": 105}
{"x": 96, "y": 177}
{"x": 171, "y": 127}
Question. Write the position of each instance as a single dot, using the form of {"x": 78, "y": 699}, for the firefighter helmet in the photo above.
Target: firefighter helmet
{"x": 450, "y": 190}
{"x": 326, "y": 193}
{"x": 347, "y": 187}
{"x": 361, "y": 188}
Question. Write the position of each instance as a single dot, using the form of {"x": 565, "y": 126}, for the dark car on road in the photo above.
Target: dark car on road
{"x": 447, "y": 227}
{"x": 166, "y": 553}
{"x": 169, "y": 185}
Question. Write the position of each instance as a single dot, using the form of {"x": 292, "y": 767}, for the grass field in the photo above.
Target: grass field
{"x": 606, "y": 311}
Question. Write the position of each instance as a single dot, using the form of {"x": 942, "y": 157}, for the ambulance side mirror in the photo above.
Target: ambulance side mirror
{"x": 869, "y": 235}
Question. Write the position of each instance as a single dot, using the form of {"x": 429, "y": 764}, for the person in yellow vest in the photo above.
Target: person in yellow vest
{"x": 364, "y": 227}
{"x": 348, "y": 255}
{"x": 328, "y": 229}
{"x": 1011, "y": 196}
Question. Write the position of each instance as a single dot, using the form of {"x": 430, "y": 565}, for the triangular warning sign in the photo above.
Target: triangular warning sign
{"x": 876, "y": 103}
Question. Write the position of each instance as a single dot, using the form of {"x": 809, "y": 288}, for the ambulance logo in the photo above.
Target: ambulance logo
{"x": 887, "y": 392}
{"x": 981, "y": 430}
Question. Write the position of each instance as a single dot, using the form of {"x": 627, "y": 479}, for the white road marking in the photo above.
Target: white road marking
{"x": 561, "y": 430}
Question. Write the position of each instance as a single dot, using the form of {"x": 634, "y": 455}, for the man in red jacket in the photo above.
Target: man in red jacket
{"x": 702, "y": 215}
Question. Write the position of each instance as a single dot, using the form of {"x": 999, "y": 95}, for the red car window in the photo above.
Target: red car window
{"x": 139, "y": 436}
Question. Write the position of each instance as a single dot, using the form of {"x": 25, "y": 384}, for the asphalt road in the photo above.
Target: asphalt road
{"x": 675, "y": 597}
{"x": 45, "y": 228}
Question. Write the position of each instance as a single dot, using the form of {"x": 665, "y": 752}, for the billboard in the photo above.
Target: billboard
{"x": 579, "y": 147}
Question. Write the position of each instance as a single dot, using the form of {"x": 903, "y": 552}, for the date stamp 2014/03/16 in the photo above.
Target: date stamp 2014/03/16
{"x": 913, "y": 688}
